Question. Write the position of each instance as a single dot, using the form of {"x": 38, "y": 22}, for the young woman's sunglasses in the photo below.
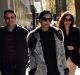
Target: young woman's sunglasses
{"x": 67, "y": 19}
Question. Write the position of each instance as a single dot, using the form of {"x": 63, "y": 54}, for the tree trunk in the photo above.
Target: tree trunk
{"x": 77, "y": 6}
{"x": 64, "y": 5}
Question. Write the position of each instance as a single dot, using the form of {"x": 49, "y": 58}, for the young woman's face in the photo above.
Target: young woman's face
{"x": 67, "y": 21}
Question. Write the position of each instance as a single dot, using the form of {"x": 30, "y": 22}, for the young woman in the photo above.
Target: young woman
{"x": 71, "y": 40}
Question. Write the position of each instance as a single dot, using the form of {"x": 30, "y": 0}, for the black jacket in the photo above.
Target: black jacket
{"x": 73, "y": 39}
{"x": 20, "y": 44}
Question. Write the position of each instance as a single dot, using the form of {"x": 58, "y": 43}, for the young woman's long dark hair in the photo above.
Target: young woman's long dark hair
{"x": 62, "y": 18}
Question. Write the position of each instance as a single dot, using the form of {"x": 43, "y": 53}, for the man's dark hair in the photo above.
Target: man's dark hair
{"x": 8, "y": 11}
{"x": 44, "y": 13}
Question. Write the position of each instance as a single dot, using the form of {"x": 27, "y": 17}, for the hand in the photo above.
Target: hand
{"x": 70, "y": 48}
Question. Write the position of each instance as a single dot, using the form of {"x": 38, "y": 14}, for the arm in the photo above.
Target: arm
{"x": 31, "y": 46}
{"x": 66, "y": 70}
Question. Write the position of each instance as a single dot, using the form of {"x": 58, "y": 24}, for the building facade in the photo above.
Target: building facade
{"x": 22, "y": 8}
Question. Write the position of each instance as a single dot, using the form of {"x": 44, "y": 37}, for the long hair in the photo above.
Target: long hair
{"x": 62, "y": 18}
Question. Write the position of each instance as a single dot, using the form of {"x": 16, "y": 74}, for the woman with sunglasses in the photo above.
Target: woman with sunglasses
{"x": 46, "y": 48}
{"x": 71, "y": 40}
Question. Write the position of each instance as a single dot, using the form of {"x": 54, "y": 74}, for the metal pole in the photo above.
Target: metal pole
{"x": 58, "y": 7}
{"x": 64, "y": 5}
{"x": 33, "y": 12}
{"x": 33, "y": 15}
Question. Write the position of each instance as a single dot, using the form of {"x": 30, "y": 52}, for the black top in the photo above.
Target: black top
{"x": 72, "y": 39}
{"x": 49, "y": 51}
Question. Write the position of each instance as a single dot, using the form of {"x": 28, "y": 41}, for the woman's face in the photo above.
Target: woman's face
{"x": 67, "y": 21}
{"x": 46, "y": 21}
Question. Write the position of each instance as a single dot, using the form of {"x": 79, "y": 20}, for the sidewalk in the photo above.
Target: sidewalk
{"x": 76, "y": 73}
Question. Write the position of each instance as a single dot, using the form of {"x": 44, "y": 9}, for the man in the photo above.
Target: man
{"x": 13, "y": 46}
{"x": 46, "y": 49}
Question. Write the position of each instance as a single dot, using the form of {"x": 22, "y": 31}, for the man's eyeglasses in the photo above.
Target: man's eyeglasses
{"x": 12, "y": 17}
{"x": 67, "y": 19}
{"x": 45, "y": 19}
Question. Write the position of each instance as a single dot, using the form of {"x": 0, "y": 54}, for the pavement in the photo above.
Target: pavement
{"x": 76, "y": 73}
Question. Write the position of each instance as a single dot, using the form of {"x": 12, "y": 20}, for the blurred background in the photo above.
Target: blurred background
{"x": 27, "y": 11}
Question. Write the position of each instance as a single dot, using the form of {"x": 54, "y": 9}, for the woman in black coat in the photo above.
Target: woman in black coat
{"x": 71, "y": 40}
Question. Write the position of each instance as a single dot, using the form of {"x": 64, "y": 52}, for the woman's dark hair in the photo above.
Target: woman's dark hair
{"x": 44, "y": 13}
{"x": 8, "y": 11}
{"x": 62, "y": 18}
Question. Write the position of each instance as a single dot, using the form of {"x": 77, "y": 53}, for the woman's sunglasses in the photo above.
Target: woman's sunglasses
{"x": 67, "y": 19}
{"x": 45, "y": 19}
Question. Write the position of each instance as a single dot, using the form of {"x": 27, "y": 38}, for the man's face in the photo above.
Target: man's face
{"x": 10, "y": 19}
{"x": 45, "y": 21}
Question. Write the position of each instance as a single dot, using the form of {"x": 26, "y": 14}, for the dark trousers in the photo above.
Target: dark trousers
{"x": 11, "y": 69}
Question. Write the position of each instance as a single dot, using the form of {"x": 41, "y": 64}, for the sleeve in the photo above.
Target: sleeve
{"x": 66, "y": 70}
{"x": 78, "y": 39}
{"x": 31, "y": 46}
{"x": 1, "y": 49}
{"x": 26, "y": 51}
{"x": 76, "y": 51}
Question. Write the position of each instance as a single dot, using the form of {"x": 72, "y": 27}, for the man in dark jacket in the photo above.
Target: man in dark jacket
{"x": 13, "y": 46}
